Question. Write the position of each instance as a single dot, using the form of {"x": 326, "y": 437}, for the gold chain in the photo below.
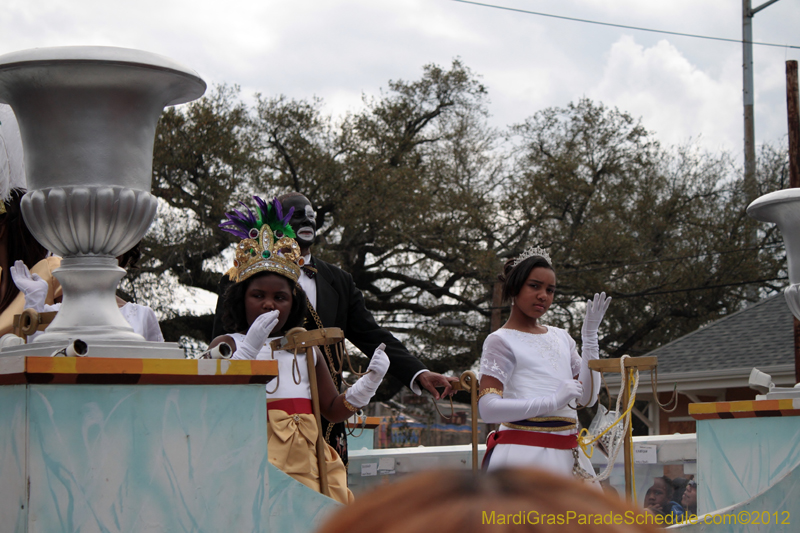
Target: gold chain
{"x": 325, "y": 347}
{"x": 329, "y": 359}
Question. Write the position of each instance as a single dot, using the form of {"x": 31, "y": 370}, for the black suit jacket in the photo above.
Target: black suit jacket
{"x": 341, "y": 305}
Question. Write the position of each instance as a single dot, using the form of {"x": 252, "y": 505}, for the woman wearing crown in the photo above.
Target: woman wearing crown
{"x": 264, "y": 302}
{"x": 531, "y": 375}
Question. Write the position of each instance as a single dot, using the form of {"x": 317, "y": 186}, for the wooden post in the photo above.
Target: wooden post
{"x": 628, "y": 449}
{"x": 612, "y": 365}
{"x": 469, "y": 381}
{"x": 497, "y": 303}
{"x": 297, "y": 339}
{"x": 793, "y": 115}
{"x": 469, "y": 378}
{"x": 321, "y": 446}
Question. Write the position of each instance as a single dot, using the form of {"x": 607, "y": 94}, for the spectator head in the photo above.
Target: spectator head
{"x": 660, "y": 494}
{"x": 461, "y": 502}
{"x": 689, "y": 499}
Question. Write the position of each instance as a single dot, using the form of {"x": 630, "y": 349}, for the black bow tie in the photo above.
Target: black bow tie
{"x": 310, "y": 271}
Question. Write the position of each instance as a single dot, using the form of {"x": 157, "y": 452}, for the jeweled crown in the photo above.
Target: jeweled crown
{"x": 267, "y": 241}
{"x": 533, "y": 251}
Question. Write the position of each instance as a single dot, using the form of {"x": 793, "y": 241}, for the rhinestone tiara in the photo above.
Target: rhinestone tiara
{"x": 533, "y": 251}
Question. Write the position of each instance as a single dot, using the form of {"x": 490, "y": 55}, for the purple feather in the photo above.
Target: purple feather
{"x": 238, "y": 220}
{"x": 279, "y": 212}
{"x": 251, "y": 217}
{"x": 238, "y": 233}
{"x": 262, "y": 205}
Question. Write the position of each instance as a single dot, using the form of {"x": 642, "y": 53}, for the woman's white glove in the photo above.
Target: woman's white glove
{"x": 496, "y": 410}
{"x": 566, "y": 392}
{"x": 31, "y": 285}
{"x": 256, "y": 336}
{"x": 364, "y": 389}
{"x": 595, "y": 310}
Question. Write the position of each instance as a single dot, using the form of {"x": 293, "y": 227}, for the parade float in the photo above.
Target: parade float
{"x": 101, "y": 430}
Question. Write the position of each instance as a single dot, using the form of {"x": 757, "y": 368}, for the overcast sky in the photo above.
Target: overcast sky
{"x": 681, "y": 87}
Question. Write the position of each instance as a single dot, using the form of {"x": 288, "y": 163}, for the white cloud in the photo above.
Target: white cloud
{"x": 339, "y": 49}
{"x": 676, "y": 99}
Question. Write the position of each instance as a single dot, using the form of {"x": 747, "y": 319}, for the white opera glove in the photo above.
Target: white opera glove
{"x": 495, "y": 410}
{"x": 31, "y": 285}
{"x": 362, "y": 390}
{"x": 256, "y": 336}
{"x": 595, "y": 309}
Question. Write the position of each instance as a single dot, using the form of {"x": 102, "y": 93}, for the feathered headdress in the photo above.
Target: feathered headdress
{"x": 267, "y": 241}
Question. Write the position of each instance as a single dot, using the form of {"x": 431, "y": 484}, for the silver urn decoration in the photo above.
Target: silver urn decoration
{"x": 783, "y": 208}
{"x": 88, "y": 116}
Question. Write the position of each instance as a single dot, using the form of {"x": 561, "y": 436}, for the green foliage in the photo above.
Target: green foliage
{"x": 203, "y": 163}
{"x": 662, "y": 231}
{"x": 421, "y": 201}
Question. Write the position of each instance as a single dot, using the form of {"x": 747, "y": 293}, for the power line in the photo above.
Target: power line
{"x": 738, "y": 41}
{"x": 702, "y": 288}
{"x": 669, "y": 259}
{"x": 615, "y": 295}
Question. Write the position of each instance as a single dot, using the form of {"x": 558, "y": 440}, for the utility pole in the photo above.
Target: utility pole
{"x": 793, "y": 114}
{"x": 748, "y": 13}
{"x": 750, "y": 185}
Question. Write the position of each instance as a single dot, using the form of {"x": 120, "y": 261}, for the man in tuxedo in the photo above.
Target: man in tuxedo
{"x": 338, "y": 303}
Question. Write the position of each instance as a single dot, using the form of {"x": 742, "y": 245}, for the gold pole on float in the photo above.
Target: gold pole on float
{"x": 299, "y": 338}
{"x": 612, "y": 365}
{"x": 469, "y": 381}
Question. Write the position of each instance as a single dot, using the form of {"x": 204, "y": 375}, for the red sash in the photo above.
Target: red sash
{"x": 528, "y": 438}
{"x": 300, "y": 406}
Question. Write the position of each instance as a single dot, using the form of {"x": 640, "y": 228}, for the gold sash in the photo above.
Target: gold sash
{"x": 291, "y": 446}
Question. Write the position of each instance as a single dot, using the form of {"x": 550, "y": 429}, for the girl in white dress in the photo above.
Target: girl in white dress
{"x": 531, "y": 375}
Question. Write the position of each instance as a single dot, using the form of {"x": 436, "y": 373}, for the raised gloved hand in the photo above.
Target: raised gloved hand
{"x": 364, "y": 389}
{"x": 31, "y": 285}
{"x": 595, "y": 309}
{"x": 256, "y": 336}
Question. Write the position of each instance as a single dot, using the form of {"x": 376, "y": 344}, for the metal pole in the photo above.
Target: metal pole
{"x": 750, "y": 189}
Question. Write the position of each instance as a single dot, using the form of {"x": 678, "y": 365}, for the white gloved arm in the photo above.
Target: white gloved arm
{"x": 364, "y": 389}
{"x": 495, "y": 410}
{"x": 595, "y": 310}
{"x": 256, "y": 336}
{"x": 31, "y": 285}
